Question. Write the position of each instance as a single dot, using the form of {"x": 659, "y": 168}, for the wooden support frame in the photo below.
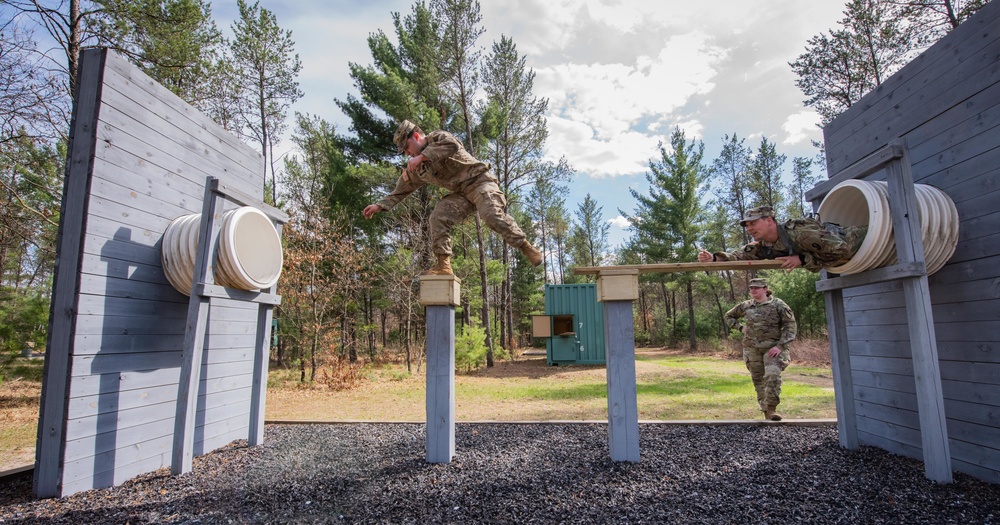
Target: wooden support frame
{"x": 911, "y": 272}
{"x": 182, "y": 454}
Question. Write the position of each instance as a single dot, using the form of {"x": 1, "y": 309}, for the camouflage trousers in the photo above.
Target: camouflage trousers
{"x": 488, "y": 201}
{"x": 765, "y": 372}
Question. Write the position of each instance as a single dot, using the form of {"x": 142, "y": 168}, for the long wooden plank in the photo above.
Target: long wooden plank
{"x": 682, "y": 267}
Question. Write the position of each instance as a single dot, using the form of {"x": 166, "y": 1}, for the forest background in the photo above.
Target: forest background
{"x": 349, "y": 285}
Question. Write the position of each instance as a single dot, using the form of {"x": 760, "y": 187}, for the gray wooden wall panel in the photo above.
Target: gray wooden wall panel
{"x": 946, "y": 106}
{"x": 148, "y": 165}
{"x": 957, "y": 66}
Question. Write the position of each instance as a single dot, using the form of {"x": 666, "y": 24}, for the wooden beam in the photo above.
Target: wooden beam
{"x": 878, "y": 275}
{"x": 920, "y": 319}
{"x": 682, "y": 267}
{"x": 244, "y": 199}
{"x": 189, "y": 383}
{"x": 859, "y": 170}
{"x": 250, "y": 296}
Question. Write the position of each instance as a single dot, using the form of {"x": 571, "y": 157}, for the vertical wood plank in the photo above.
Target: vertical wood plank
{"x": 262, "y": 355}
{"x": 623, "y": 410}
{"x": 440, "y": 383}
{"x": 62, "y": 310}
{"x": 840, "y": 362}
{"x": 194, "y": 340}
{"x": 923, "y": 342}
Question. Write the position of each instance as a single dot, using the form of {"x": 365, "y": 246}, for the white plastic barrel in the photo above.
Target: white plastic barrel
{"x": 858, "y": 202}
{"x": 249, "y": 255}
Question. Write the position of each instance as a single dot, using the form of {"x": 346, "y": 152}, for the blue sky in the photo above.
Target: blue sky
{"x": 619, "y": 75}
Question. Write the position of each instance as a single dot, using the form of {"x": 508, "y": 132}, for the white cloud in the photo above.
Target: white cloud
{"x": 607, "y": 118}
{"x": 620, "y": 222}
{"x": 800, "y": 127}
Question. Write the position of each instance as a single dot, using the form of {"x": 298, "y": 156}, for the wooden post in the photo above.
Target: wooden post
{"x": 262, "y": 356}
{"x": 923, "y": 342}
{"x": 840, "y": 362}
{"x": 189, "y": 384}
{"x": 617, "y": 289}
{"x": 440, "y": 294}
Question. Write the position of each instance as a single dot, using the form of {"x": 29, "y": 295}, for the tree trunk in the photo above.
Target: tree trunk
{"x": 486, "y": 293}
{"x": 693, "y": 331}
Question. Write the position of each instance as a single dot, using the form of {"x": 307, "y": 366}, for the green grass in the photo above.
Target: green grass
{"x": 680, "y": 388}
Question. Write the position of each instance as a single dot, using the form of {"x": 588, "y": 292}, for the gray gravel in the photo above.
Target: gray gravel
{"x": 531, "y": 473}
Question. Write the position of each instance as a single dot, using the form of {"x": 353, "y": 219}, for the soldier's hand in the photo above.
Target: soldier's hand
{"x": 773, "y": 352}
{"x": 704, "y": 256}
{"x": 790, "y": 262}
{"x": 371, "y": 210}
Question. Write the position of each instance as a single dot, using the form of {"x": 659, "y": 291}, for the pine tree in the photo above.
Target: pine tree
{"x": 266, "y": 67}
{"x": 666, "y": 222}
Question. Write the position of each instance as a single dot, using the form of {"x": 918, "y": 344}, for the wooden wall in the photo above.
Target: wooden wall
{"x": 139, "y": 157}
{"x": 946, "y": 105}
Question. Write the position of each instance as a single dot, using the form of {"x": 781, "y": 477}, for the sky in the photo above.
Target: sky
{"x": 619, "y": 75}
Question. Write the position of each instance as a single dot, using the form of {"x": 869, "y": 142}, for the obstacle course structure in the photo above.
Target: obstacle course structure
{"x": 138, "y": 376}
{"x": 917, "y": 358}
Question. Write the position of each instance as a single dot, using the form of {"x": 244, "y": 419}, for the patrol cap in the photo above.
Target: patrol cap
{"x": 758, "y": 283}
{"x": 757, "y": 213}
{"x": 402, "y": 133}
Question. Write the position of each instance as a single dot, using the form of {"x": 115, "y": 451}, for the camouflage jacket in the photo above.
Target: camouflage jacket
{"x": 821, "y": 244}
{"x": 449, "y": 166}
{"x": 770, "y": 323}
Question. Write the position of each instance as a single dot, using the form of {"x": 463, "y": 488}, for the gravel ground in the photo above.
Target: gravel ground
{"x": 530, "y": 473}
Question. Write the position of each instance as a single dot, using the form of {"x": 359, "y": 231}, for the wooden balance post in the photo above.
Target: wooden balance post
{"x": 440, "y": 294}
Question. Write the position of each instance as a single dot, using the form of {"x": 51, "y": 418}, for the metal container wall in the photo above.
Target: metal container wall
{"x": 586, "y": 344}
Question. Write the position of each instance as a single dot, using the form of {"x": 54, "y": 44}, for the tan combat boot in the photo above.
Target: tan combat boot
{"x": 770, "y": 414}
{"x": 443, "y": 266}
{"x": 534, "y": 256}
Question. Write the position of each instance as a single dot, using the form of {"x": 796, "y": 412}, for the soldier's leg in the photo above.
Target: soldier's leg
{"x": 450, "y": 210}
{"x": 491, "y": 205}
{"x": 773, "y": 366}
{"x": 753, "y": 359}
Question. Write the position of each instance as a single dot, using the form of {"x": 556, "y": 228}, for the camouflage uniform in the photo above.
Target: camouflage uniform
{"x": 768, "y": 324}
{"x": 818, "y": 244}
{"x": 472, "y": 187}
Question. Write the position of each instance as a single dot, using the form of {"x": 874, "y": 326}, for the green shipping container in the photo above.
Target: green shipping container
{"x": 576, "y": 325}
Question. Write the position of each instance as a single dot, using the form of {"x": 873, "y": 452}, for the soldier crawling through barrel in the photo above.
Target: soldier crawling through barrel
{"x": 797, "y": 243}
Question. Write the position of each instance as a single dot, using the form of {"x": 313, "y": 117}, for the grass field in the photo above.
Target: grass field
{"x": 671, "y": 386}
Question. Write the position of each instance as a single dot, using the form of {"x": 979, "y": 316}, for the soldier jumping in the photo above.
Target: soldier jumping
{"x": 439, "y": 158}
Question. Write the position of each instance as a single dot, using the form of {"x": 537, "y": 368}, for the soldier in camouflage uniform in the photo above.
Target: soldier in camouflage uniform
{"x": 770, "y": 327}
{"x": 439, "y": 158}
{"x": 805, "y": 243}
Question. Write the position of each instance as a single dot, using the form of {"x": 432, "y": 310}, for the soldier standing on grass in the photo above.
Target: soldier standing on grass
{"x": 439, "y": 158}
{"x": 770, "y": 327}
{"x": 806, "y": 243}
